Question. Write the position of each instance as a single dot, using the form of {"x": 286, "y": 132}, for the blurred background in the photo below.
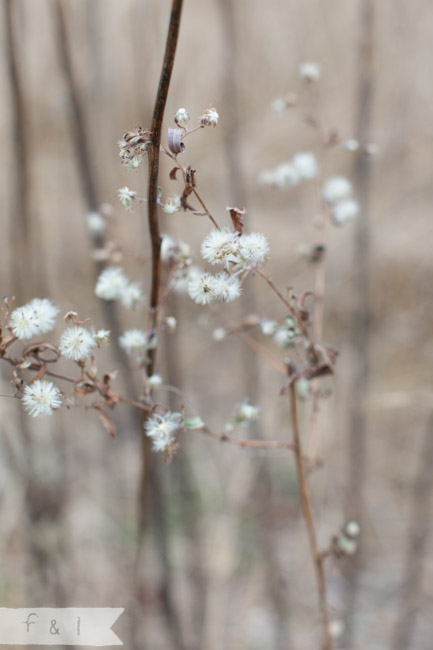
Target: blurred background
{"x": 224, "y": 561}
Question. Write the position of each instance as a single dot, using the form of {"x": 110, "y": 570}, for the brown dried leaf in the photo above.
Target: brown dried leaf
{"x": 237, "y": 216}
{"x": 173, "y": 172}
{"x": 107, "y": 422}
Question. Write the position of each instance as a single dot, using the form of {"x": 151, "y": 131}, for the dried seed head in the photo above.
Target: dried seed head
{"x": 209, "y": 118}
{"x": 133, "y": 146}
{"x": 182, "y": 118}
{"x": 126, "y": 196}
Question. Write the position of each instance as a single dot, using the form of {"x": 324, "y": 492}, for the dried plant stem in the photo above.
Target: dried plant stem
{"x": 309, "y": 521}
{"x": 150, "y": 484}
{"x": 318, "y": 320}
{"x": 152, "y": 205}
{"x": 301, "y": 324}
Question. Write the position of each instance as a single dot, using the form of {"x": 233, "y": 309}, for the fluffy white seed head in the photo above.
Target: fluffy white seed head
{"x": 227, "y": 287}
{"x": 155, "y": 380}
{"x": 247, "y": 412}
{"x": 46, "y": 313}
{"x": 202, "y": 289}
{"x": 254, "y": 248}
{"x": 76, "y": 343}
{"x": 131, "y": 295}
{"x": 336, "y": 189}
{"x": 286, "y": 175}
{"x": 353, "y": 529}
{"x": 41, "y": 398}
{"x": 111, "y": 283}
{"x": 171, "y": 324}
{"x": 306, "y": 165}
{"x": 96, "y": 223}
{"x": 126, "y": 197}
{"x": 24, "y": 322}
{"x": 134, "y": 339}
{"x": 219, "y": 334}
{"x": 268, "y": 327}
{"x": 161, "y": 429}
{"x": 345, "y": 211}
{"x": 310, "y": 71}
{"x": 221, "y": 247}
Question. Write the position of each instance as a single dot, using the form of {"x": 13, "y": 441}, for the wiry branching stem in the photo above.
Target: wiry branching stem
{"x": 309, "y": 520}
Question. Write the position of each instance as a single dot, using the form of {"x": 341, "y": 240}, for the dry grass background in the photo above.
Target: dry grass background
{"x": 241, "y": 571}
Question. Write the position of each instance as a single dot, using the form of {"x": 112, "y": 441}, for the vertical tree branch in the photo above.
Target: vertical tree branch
{"x": 78, "y": 122}
{"x": 307, "y": 512}
{"x": 357, "y": 452}
{"x": 20, "y": 243}
{"x": 149, "y": 478}
{"x": 152, "y": 195}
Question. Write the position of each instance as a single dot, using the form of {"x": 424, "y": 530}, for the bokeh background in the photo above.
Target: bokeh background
{"x": 225, "y": 559}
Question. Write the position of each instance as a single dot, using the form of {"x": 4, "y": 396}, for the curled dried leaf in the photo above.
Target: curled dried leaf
{"x": 237, "y": 216}
{"x": 107, "y": 422}
{"x": 36, "y": 350}
{"x": 175, "y": 143}
{"x": 173, "y": 173}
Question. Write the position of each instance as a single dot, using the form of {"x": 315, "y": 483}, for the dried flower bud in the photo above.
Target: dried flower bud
{"x": 209, "y": 118}
{"x": 154, "y": 381}
{"x": 181, "y": 118}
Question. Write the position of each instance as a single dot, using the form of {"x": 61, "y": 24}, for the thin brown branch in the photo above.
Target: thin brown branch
{"x": 244, "y": 442}
{"x": 307, "y": 512}
{"x": 301, "y": 324}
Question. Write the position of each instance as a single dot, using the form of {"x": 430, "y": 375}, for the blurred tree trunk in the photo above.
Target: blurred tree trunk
{"x": 358, "y": 449}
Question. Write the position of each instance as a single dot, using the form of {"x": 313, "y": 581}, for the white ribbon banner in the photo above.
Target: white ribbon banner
{"x": 59, "y": 626}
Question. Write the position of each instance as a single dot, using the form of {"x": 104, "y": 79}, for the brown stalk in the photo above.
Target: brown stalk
{"x": 152, "y": 203}
{"x": 307, "y": 512}
{"x": 150, "y": 483}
